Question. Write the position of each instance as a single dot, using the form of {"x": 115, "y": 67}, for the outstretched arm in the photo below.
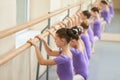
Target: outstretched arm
{"x": 40, "y": 58}
{"x": 50, "y": 52}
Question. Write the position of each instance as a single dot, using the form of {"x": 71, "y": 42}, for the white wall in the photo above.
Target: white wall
{"x": 8, "y": 19}
{"x": 55, "y": 5}
{"x": 7, "y": 14}
{"x": 39, "y": 8}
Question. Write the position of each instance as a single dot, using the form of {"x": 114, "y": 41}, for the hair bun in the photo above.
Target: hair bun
{"x": 69, "y": 32}
{"x": 80, "y": 28}
{"x": 75, "y": 31}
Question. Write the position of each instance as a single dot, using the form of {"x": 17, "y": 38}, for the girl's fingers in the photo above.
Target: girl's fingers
{"x": 49, "y": 32}
{"x": 56, "y": 28}
{"x": 38, "y": 37}
{"x": 60, "y": 24}
{"x": 30, "y": 41}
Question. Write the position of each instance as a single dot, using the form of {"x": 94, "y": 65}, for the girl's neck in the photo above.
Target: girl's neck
{"x": 76, "y": 44}
{"x": 79, "y": 45}
{"x": 106, "y": 7}
{"x": 97, "y": 16}
{"x": 85, "y": 32}
{"x": 65, "y": 49}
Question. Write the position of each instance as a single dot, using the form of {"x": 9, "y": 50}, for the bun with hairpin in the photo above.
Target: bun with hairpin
{"x": 75, "y": 32}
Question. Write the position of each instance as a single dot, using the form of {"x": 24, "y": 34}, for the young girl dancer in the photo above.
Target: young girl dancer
{"x": 97, "y": 28}
{"x": 85, "y": 38}
{"x": 105, "y": 12}
{"x": 85, "y": 16}
{"x": 63, "y": 58}
{"x": 80, "y": 59}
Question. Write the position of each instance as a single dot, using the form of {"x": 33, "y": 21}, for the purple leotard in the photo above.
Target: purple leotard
{"x": 106, "y": 15}
{"x": 64, "y": 67}
{"x": 97, "y": 28}
{"x": 91, "y": 35}
{"x": 80, "y": 63}
{"x": 111, "y": 9}
{"x": 87, "y": 44}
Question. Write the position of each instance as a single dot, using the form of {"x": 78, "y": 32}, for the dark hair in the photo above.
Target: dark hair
{"x": 84, "y": 25}
{"x": 95, "y": 9}
{"x": 69, "y": 34}
{"x": 104, "y": 2}
{"x": 87, "y": 13}
{"x": 76, "y": 32}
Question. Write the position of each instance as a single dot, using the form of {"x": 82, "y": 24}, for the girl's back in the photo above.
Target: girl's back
{"x": 80, "y": 63}
{"x": 87, "y": 44}
{"x": 64, "y": 67}
{"x": 97, "y": 28}
{"x": 106, "y": 15}
{"x": 91, "y": 35}
{"x": 111, "y": 7}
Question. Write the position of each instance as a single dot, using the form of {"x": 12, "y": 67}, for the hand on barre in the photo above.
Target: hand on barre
{"x": 32, "y": 42}
{"x": 39, "y": 37}
{"x": 77, "y": 20}
{"x": 71, "y": 21}
{"x": 55, "y": 27}
{"x": 62, "y": 24}
{"x": 80, "y": 12}
{"x": 49, "y": 50}
{"x": 40, "y": 58}
{"x": 50, "y": 33}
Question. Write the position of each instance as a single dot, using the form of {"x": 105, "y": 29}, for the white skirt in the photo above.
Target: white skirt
{"x": 77, "y": 77}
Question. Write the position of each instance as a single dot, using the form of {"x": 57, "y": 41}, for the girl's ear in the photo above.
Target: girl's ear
{"x": 63, "y": 40}
{"x": 96, "y": 13}
{"x": 73, "y": 40}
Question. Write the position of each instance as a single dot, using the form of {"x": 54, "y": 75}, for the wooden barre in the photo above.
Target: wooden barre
{"x": 10, "y": 31}
{"x": 15, "y": 52}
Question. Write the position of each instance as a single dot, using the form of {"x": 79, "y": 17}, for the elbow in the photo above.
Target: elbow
{"x": 50, "y": 53}
{"x": 42, "y": 62}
